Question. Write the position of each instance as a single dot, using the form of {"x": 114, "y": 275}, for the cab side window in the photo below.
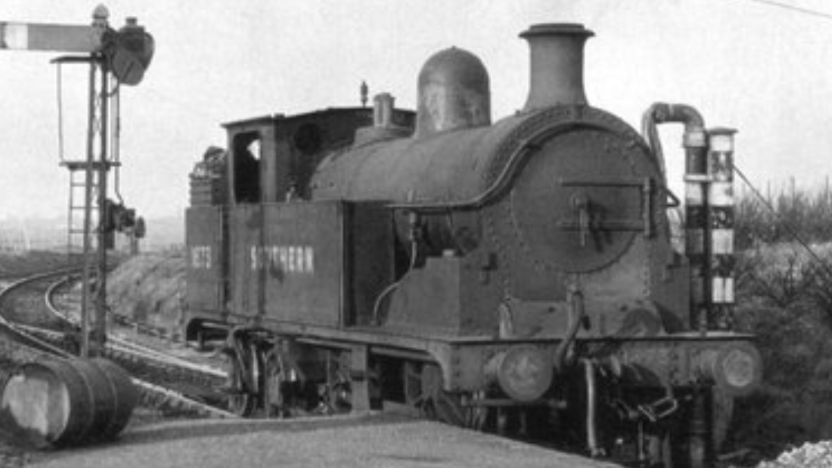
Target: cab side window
{"x": 247, "y": 156}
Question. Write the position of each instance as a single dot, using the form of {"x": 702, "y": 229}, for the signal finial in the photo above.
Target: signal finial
{"x": 365, "y": 90}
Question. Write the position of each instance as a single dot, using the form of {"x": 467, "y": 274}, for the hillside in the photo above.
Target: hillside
{"x": 149, "y": 287}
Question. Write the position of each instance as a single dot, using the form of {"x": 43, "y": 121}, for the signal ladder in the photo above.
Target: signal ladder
{"x": 83, "y": 191}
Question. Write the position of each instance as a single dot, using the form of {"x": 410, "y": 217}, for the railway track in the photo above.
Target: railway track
{"x": 35, "y": 326}
{"x": 132, "y": 353}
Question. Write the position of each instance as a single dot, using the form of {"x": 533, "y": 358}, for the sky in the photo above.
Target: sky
{"x": 745, "y": 64}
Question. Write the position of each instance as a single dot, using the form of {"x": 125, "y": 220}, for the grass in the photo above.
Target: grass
{"x": 17, "y": 265}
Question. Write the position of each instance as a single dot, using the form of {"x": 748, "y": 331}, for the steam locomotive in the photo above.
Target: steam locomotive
{"x": 519, "y": 276}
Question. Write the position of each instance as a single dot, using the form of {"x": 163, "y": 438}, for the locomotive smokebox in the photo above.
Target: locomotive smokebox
{"x": 557, "y": 64}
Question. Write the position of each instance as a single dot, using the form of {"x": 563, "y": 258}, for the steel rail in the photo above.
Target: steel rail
{"x": 23, "y": 336}
{"x": 117, "y": 345}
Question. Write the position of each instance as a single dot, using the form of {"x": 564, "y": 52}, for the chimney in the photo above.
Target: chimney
{"x": 557, "y": 64}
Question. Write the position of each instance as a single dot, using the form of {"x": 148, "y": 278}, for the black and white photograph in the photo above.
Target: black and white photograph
{"x": 408, "y": 233}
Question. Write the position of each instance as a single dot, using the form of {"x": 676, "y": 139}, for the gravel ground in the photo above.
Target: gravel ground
{"x": 810, "y": 455}
{"x": 152, "y": 439}
{"x": 371, "y": 441}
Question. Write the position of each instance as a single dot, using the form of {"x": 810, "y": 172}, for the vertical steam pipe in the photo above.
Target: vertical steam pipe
{"x": 697, "y": 224}
{"x": 591, "y": 409}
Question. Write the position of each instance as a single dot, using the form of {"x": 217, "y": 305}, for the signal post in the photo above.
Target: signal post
{"x": 115, "y": 57}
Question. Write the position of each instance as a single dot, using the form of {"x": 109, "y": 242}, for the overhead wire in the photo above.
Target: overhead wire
{"x": 796, "y": 9}
{"x": 766, "y": 203}
{"x": 791, "y": 230}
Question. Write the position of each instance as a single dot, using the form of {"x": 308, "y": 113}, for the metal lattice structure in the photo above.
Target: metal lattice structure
{"x": 114, "y": 57}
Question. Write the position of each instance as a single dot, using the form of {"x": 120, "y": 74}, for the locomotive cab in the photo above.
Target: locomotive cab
{"x": 241, "y": 242}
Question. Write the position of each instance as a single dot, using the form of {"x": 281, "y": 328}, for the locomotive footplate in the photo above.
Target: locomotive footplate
{"x": 525, "y": 369}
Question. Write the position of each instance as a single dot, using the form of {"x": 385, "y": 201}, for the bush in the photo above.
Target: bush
{"x": 784, "y": 296}
{"x": 783, "y": 217}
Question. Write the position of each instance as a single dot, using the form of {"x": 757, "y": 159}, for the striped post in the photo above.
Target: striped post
{"x": 720, "y": 207}
{"x": 696, "y": 232}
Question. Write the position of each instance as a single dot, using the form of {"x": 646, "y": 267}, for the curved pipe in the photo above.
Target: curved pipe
{"x": 514, "y": 161}
{"x": 576, "y": 313}
{"x": 663, "y": 112}
{"x": 502, "y": 181}
{"x": 478, "y": 201}
{"x": 695, "y": 138}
